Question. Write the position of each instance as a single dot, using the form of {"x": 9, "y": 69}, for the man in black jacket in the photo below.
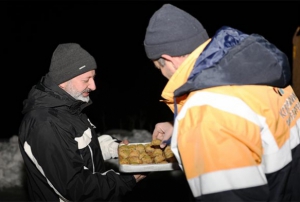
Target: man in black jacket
{"x": 63, "y": 156}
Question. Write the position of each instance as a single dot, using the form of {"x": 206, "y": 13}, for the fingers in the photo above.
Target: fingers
{"x": 162, "y": 131}
{"x": 139, "y": 177}
{"x": 157, "y": 133}
{"x": 125, "y": 141}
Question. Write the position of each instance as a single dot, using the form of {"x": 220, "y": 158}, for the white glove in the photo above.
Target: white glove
{"x": 108, "y": 146}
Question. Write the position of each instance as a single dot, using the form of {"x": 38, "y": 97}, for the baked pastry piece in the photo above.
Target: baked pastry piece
{"x": 159, "y": 158}
{"x": 134, "y": 153}
{"x": 134, "y": 160}
{"x": 168, "y": 147}
{"x": 142, "y": 154}
{"x": 156, "y": 143}
{"x": 147, "y": 145}
{"x": 147, "y": 159}
{"x": 157, "y": 152}
{"x": 132, "y": 147}
{"x": 140, "y": 148}
{"x": 124, "y": 153}
{"x": 123, "y": 147}
{"x": 169, "y": 154}
{"x": 124, "y": 161}
{"x": 149, "y": 149}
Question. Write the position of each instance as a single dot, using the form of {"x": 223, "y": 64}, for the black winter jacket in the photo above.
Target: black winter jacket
{"x": 61, "y": 152}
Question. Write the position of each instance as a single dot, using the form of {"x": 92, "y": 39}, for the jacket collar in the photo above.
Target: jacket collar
{"x": 47, "y": 94}
{"x": 180, "y": 77}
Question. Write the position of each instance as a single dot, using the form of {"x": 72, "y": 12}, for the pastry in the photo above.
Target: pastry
{"x": 134, "y": 153}
{"x": 124, "y": 161}
{"x": 146, "y": 159}
{"x": 140, "y": 148}
{"x": 149, "y": 149}
{"x": 123, "y": 147}
{"x": 169, "y": 154}
{"x": 123, "y": 153}
{"x": 157, "y": 152}
{"x": 134, "y": 160}
{"x": 159, "y": 158}
{"x": 156, "y": 143}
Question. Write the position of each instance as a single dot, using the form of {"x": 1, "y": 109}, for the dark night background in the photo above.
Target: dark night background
{"x": 128, "y": 85}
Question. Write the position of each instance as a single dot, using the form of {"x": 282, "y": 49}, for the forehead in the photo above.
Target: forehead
{"x": 88, "y": 74}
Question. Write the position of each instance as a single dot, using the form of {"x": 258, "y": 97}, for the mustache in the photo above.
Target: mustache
{"x": 87, "y": 90}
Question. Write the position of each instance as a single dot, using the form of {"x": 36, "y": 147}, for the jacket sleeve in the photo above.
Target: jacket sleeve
{"x": 109, "y": 146}
{"x": 57, "y": 158}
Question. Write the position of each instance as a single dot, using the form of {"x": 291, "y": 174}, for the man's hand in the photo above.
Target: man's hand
{"x": 125, "y": 141}
{"x": 162, "y": 131}
{"x": 139, "y": 177}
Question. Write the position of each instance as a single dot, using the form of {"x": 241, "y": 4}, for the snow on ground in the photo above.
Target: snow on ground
{"x": 135, "y": 136}
{"x": 11, "y": 162}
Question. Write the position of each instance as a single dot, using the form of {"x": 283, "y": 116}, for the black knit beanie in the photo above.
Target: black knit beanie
{"x": 174, "y": 32}
{"x": 68, "y": 61}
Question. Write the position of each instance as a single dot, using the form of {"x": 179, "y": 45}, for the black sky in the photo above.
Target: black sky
{"x": 128, "y": 85}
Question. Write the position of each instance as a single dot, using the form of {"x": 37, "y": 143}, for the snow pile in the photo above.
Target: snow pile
{"x": 11, "y": 164}
{"x": 135, "y": 136}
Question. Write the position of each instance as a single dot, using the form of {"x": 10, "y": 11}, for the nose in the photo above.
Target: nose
{"x": 92, "y": 84}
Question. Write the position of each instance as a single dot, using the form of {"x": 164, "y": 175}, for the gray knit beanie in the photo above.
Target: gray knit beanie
{"x": 68, "y": 61}
{"x": 174, "y": 32}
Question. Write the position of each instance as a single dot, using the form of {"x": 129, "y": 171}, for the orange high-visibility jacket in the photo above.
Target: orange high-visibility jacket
{"x": 237, "y": 127}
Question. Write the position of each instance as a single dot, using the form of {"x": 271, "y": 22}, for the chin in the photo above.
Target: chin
{"x": 83, "y": 99}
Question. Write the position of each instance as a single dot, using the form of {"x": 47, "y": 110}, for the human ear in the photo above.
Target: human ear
{"x": 167, "y": 57}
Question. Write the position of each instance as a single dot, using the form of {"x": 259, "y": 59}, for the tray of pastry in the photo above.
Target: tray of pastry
{"x": 146, "y": 157}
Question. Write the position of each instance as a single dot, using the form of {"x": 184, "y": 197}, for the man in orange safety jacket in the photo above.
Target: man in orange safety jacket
{"x": 236, "y": 129}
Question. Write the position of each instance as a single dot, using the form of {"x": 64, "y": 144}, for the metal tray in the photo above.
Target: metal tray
{"x": 125, "y": 168}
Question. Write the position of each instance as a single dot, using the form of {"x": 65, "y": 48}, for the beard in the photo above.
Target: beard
{"x": 75, "y": 93}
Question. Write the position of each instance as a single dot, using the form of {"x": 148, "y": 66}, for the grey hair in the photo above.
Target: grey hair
{"x": 161, "y": 62}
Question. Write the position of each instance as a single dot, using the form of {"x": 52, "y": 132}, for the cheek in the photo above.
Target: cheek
{"x": 85, "y": 87}
{"x": 165, "y": 73}
{"x": 80, "y": 87}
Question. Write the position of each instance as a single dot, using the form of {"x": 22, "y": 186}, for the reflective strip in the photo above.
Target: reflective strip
{"x": 227, "y": 180}
{"x": 92, "y": 158}
{"x": 174, "y": 143}
{"x": 273, "y": 158}
{"x": 235, "y": 106}
{"x": 27, "y": 149}
{"x": 276, "y": 161}
{"x": 85, "y": 139}
{"x": 295, "y": 135}
{"x": 111, "y": 170}
{"x": 91, "y": 123}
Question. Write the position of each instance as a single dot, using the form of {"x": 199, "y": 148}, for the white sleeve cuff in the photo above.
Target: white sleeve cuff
{"x": 108, "y": 146}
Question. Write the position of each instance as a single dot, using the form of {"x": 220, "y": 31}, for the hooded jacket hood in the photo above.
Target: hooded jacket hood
{"x": 47, "y": 94}
{"x": 235, "y": 58}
